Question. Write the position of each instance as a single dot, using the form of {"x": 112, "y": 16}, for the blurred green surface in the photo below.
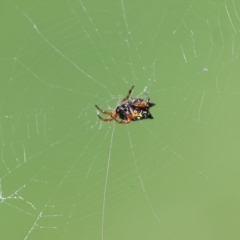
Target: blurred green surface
{"x": 64, "y": 174}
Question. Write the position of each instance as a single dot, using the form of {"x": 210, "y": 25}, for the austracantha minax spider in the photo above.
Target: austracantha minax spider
{"x": 130, "y": 109}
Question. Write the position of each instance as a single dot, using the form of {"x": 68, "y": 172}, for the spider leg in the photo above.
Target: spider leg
{"x": 122, "y": 121}
{"x": 148, "y": 98}
{"x": 128, "y": 95}
{"x": 104, "y": 112}
{"x": 109, "y": 119}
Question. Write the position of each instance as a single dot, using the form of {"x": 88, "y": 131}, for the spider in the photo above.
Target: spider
{"x": 130, "y": 109}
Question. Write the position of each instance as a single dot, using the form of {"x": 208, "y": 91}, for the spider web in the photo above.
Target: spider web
{"x": 64, "y": 174}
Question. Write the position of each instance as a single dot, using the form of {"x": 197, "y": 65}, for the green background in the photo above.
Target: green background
{"x": 64, "y": 174}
